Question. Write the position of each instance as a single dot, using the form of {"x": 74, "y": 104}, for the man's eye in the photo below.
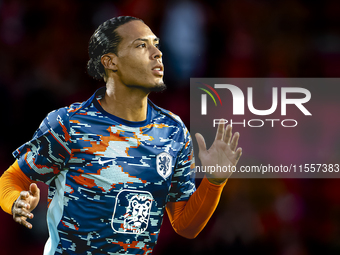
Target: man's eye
{"x": 143, "y": 45}
{"x": 157, "y": 45}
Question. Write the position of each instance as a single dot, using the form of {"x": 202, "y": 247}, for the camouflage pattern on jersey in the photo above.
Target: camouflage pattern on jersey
{"x": 109, "y": 179}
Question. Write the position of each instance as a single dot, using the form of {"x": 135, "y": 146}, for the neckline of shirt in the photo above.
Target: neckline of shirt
{"x": 100, "y": 92}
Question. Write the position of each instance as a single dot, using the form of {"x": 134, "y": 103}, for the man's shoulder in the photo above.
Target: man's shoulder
{"x": 75, "y": 107}
{"x": 63, "y": 114}
{"x": 168, "y": 114}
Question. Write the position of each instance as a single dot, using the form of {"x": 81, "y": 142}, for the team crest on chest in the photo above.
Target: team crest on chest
{"x": 164, "y": 164}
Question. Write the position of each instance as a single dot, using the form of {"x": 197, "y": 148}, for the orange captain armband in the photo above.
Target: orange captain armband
{"x": 12, "y": 182}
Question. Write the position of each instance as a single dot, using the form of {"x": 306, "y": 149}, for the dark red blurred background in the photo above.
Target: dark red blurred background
{"x": 43, "y": 56}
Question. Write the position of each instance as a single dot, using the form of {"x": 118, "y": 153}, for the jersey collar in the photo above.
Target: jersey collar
{"x": 101, "y": 91}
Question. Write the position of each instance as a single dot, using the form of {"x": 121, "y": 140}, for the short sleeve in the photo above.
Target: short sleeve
{"x": 183, "y": 180}
{"x": 47, "y": 153}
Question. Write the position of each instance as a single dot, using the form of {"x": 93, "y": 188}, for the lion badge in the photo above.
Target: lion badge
{"x": 164, "y": 164}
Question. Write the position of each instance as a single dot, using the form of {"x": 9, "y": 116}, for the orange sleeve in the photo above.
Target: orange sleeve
{"x": 12, "y": 182}
{"x": 188, "y": 218}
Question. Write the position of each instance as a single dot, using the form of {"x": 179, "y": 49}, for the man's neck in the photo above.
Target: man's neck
{"x": 125, "y": 102}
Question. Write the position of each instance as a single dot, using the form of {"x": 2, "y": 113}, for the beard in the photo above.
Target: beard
{"x": 158, "y": 88}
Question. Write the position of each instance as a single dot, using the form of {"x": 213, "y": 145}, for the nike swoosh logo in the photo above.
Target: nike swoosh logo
{"x": 102, "y": 162}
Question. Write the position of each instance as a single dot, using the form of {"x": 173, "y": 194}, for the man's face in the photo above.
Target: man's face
{"x": 139, "y": 61}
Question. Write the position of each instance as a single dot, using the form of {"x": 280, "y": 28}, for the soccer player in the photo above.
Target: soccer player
{"x": 115, "y": 162}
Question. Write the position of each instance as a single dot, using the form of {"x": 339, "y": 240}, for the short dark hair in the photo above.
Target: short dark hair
{"x": 105, "y": 40}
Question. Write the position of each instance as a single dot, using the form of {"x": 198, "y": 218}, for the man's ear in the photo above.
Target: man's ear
{"x": 109, "y": 61}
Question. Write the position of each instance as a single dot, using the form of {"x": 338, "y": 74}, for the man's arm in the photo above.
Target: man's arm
{"x": 189, "y": 218}
{"x": 19, "y": 195}
{"x": 39, "y": 159}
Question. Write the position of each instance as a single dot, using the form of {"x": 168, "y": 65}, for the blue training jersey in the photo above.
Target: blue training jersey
{"x": 109, "y": 179}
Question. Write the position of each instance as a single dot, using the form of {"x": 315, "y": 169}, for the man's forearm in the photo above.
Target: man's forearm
{"x": 189, "y": 218}
{"x": 12, "y": 182}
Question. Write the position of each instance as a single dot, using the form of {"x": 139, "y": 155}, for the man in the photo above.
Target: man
{"x": 116, "y": 161}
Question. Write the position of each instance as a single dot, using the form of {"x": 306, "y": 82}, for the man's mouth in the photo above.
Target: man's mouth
{"x": 157, "y": 70}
